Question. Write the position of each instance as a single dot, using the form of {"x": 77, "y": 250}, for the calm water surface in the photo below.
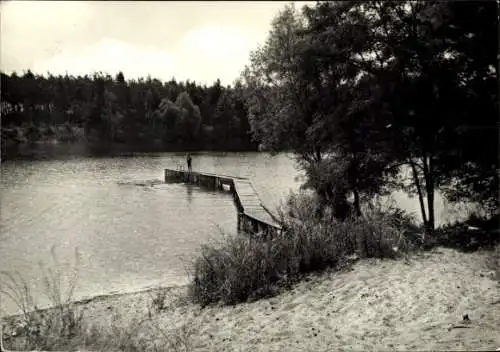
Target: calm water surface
{"x": 128, "y": 236}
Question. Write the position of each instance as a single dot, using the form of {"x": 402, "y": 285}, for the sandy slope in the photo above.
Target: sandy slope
{"x": 376, "y": 305}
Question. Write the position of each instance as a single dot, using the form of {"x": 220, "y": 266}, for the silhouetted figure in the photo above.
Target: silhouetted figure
{"x": 188, "y": 159}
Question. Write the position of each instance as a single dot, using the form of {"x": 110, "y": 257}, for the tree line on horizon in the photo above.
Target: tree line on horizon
{"x": 173, "y": 115}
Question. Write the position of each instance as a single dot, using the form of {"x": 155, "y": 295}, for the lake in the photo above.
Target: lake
{"x": 128, "y": 236}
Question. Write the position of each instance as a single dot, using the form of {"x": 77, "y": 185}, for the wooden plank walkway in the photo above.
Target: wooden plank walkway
{"x": 252, "y": 215}
{"x": 251, "y": 203}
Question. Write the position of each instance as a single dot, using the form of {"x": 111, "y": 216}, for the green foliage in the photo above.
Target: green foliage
{"x": 300, "y": 98}
{"x": 116, "y": 110}
{"x": 379, "y": 85}
{"x": 190, "y": 118}
{"x": 169, "y": 114}
{"x": 472, "y": 234}
{"x": 158, "y": 301}
{"x": 235, "y": 269}
{"x": 242, "y": 267}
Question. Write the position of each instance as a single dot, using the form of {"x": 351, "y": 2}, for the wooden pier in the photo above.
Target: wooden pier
{"x": 253, "y": 217}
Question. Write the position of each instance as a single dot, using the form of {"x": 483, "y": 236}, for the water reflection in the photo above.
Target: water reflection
{"x": 61, "y": 151}
{"x": 189, "y": 189}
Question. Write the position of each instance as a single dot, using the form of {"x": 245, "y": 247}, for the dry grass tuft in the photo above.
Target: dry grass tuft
{"x": 64, "y": 327}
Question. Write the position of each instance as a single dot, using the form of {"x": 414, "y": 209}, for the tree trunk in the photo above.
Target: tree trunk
{"x": 429, "y": 187}
{"x": 357, "y": 203}
{"x": 317, "y": 154}
{"x": 341, "y": 208}
{"x": 419, "y": 190}
{"x": 430, "y": 196}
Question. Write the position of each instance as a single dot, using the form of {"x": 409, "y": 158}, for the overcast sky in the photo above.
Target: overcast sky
{"x": 199, "y": 41}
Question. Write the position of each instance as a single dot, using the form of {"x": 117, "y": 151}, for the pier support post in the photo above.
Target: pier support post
{"x": 239, "y": 222}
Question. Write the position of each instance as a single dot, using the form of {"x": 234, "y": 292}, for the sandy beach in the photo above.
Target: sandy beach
{"x": 413, "y": 304}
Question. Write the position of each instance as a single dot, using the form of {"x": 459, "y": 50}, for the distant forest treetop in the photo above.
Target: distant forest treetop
{"x": 182, "y": 115}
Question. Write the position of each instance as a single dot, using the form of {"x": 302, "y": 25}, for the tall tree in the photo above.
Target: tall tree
{"x": 301, "y": 98}
{"x": 190, "y": 119}
{"x": 375, "y": 84}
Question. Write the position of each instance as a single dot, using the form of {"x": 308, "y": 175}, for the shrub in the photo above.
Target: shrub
{"x": 469, "y": 235}
{"x": 386, "y": 231}
{"x": 234, "y": 269}
{"x": 33, "y": 133}
{"x": 158, "y": 301}
{"x": 242, "y": 267}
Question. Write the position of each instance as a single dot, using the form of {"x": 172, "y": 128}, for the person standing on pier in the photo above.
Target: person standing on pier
{"x": 188, "y": 159}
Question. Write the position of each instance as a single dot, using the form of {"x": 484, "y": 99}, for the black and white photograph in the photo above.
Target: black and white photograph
{"x": 249, "y": 176}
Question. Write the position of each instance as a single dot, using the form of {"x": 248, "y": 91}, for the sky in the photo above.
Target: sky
{"x": 200, "y": 40}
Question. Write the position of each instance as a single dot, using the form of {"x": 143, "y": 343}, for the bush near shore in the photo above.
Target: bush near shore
{"x": 243, "y": 267}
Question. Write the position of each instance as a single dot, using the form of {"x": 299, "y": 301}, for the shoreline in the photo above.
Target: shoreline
{"x": 100, "y": 297}
{"x": 413, "y": 304}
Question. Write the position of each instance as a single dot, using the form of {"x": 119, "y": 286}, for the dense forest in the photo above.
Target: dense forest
{"x": 169, "y": 115}
{"x": 362, "y": 90}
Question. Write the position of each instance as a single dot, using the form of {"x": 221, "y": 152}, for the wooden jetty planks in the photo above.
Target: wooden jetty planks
{"x": 246, "y": 197}
{"x": 262, "y": 216}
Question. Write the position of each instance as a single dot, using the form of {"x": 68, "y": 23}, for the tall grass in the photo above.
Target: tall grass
{"x": 62, "y": 326}
{"x": 43, "y": 328}
{"x": 241, "y": 267}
